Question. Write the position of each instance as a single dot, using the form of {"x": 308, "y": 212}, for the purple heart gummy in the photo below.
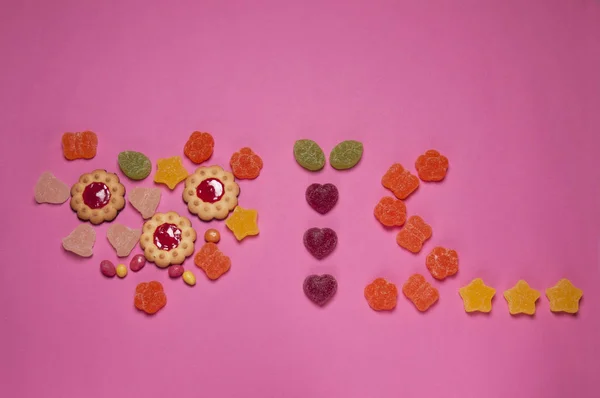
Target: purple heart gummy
{"x": 320, "y": 288}
{"x": 323, "y": 197}
{"x": 320, "y": 242}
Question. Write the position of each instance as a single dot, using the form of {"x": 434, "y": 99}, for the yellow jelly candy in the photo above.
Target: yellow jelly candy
{"x": 243, "y": 222}
{"x": 170, "y": 171}
{"x": 564, "y": 297}
{"x": 521, "y": 298}
{"x": 477, "y": 296}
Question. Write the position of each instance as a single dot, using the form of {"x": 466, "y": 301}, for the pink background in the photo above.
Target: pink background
{"x": 508, "y": 90}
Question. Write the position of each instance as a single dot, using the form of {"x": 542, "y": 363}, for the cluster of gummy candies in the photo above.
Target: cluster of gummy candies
{"x": 441, "y": 262}
{"x": 101, "y": 194}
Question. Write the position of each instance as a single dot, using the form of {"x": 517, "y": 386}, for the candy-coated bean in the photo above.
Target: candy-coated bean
{"x": 121, "y": 271}
{"x": 107, "y": 269}
{"x": 212, "y": 235}
{"x": 175, "y": 271}
{"x": 189, "y": 278}
{"x": 137, "y": 262}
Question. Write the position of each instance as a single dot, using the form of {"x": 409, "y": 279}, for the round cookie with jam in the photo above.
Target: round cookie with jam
{"x": 211, "y": 192}
{"x": 167, "y": 239}
{"x": 98, "y": 196}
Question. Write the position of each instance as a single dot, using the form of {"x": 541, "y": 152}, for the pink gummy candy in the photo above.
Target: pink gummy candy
{"x": 322, "y": 197}
{"x": 320, "y": 242}
{"x": 320, "y": 288}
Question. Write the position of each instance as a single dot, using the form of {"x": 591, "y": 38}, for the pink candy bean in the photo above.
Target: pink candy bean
{"x": 108, "y": 269}
{"x": 137, "y": 262}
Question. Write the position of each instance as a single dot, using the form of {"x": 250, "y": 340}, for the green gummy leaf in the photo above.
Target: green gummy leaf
{"x": 309, "y": 155}
{"x": 346, "y": 154}
{"x": 134, "y": 165}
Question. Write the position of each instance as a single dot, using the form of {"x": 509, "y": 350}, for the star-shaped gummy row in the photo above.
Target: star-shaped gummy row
{"x": 564, "y": 297}
{"x": 477, "y": 296}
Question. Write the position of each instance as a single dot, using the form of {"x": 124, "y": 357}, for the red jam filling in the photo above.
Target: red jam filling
{"x": 167, "y": 236}
{"x": 96, "y": 195}
{"x": 210, "y": 190}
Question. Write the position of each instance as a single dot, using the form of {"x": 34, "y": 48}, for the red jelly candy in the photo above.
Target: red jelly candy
{"x": 322, "y": 197}
{"x": 390, "y": 212}
{"x": 320, "y": 242}
{"x": 320, "y": 288}
{"x": 199, "y": 147}
{"x": 400, "y": 181}
{"x": 246, "y": 164}
{"x": 442, "y": 262}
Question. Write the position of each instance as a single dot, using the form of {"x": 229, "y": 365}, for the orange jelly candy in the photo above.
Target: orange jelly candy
{"x": 414, "y": 234}
{"x": 420, "y": 292}
{"x": 381, "y": 295}
{"x": 149, "y": 297}
{"x": 199, "y": 147}
{"x": 79, "y": 145}
{"x": 432, "y": 166}
{"x": 400, "y": 181}
{"x": 212, "y": 261}
{"x": 391, "y": 212}
{"x": 442, "y": 262}
{"x": 246, "y": 164}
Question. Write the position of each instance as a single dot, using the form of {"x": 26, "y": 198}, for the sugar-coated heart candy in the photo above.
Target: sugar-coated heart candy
{"x": 320, "y": 288}
{"x": 320, "y": 242}
{"x": 50, "y": 189}
{"x": 81, "y": 240}
{"x": 322, "y": 197}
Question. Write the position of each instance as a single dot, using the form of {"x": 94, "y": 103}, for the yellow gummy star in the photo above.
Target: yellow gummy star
{"x": 477, "y": 296}
{"x": 564, "y": 297}
{"x": 243, "y": 222}
{"x": 170, "y": 171}
{"x": 521, "y": 298}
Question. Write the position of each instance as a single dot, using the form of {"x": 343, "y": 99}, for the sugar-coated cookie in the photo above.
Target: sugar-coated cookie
{"x": 167, "y": 238}
{"x": 211, "y": 192}
{"x": 98, "y": 196}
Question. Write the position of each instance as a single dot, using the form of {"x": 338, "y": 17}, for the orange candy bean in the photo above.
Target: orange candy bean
{"x": 149, "y": 297}
{"x": 400, "y": 181}
{"x": 79, "y": 145}
{"x": 199, "y": 147}
{"x": 212, "y": 261}
{"x": 390, "y": 212}
{"x": 432, "y": 166}
{"x": 442, "y": 262}
{"x": 381, "y": 295}
{"x": 414, "y": 234}
{"x": 246, "y": 164}
{"x": 420, "y": 292}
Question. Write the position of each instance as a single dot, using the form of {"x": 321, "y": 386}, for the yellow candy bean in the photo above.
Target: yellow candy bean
{"x": 189, "y": 278}
{"x": 121, "y": 271}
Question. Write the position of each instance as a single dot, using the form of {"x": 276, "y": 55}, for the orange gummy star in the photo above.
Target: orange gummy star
{"x": 246, "y": 164}
{"x": 212, "y": 261}
{"x": 420, "y": 292}
{"x": 442, "y": 262}
{"x": 390, "y": 212}
{"x": 381, "y": 295}
{"x": 432, "y": 166}
{"x": 400, "y": 181}
{"x": 414, "y": 234}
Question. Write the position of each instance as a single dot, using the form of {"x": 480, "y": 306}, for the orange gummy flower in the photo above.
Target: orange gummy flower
{"x": 79, "y": 145}
{"x": 381, "y": 295}
{"x": 199, "y": 147}
{"x": 246, "y": 164}
{"x": 432, "y": 166}
{"x": 390, "y": 212}
{"x": 420, "y": 292}
{"x": 442, "y": 262}
{"x": 400, "y": 181}
{"x": 149, "y": 297}
{"x": 212, "y": 261}
{"x": 414, "y": 234}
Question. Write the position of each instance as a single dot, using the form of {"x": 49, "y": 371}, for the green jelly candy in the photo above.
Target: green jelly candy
{"x": 135, "y": 165}
{"x": 309, "y": 155}
{"x": 346, "y": 154}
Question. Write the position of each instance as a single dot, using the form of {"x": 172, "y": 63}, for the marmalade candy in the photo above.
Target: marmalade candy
{"x": 564, "y": 297}
{"x": 79, "y": 145}
{"x": 246, "y": 164}
{"x": 199, "y": 147}
{"x": 414, "y": 234}
{"x": 381, "y": 295}
{"x": 390, "y": 212}
{"x": 432, "y": 166}
{"x": 149, "y": 297}
{"x": 212, "y": 261}
{"x": 170, "y": 172}
{"x": 400, "y": 181}
{"x": 442, "y": 262}
{"x": 420, "y": 292}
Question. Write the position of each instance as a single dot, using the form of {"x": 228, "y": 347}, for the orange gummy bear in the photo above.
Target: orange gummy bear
{"x": 432, "y": 166}
{"x": 212, "y": 261}
{"x": 420, "y": 292}
{"x": 381, "y": 295}
{"x": 400, "y": 181}
{"x": 246, "y": 164}
{"x": 414, "y": 234}
{"x": 149, "y": 297}
{"x": 390, "y": 212}
{"x": 79, "y": 145}
{"x": 442, "y": 262}
{"x": 199, "y": 147}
